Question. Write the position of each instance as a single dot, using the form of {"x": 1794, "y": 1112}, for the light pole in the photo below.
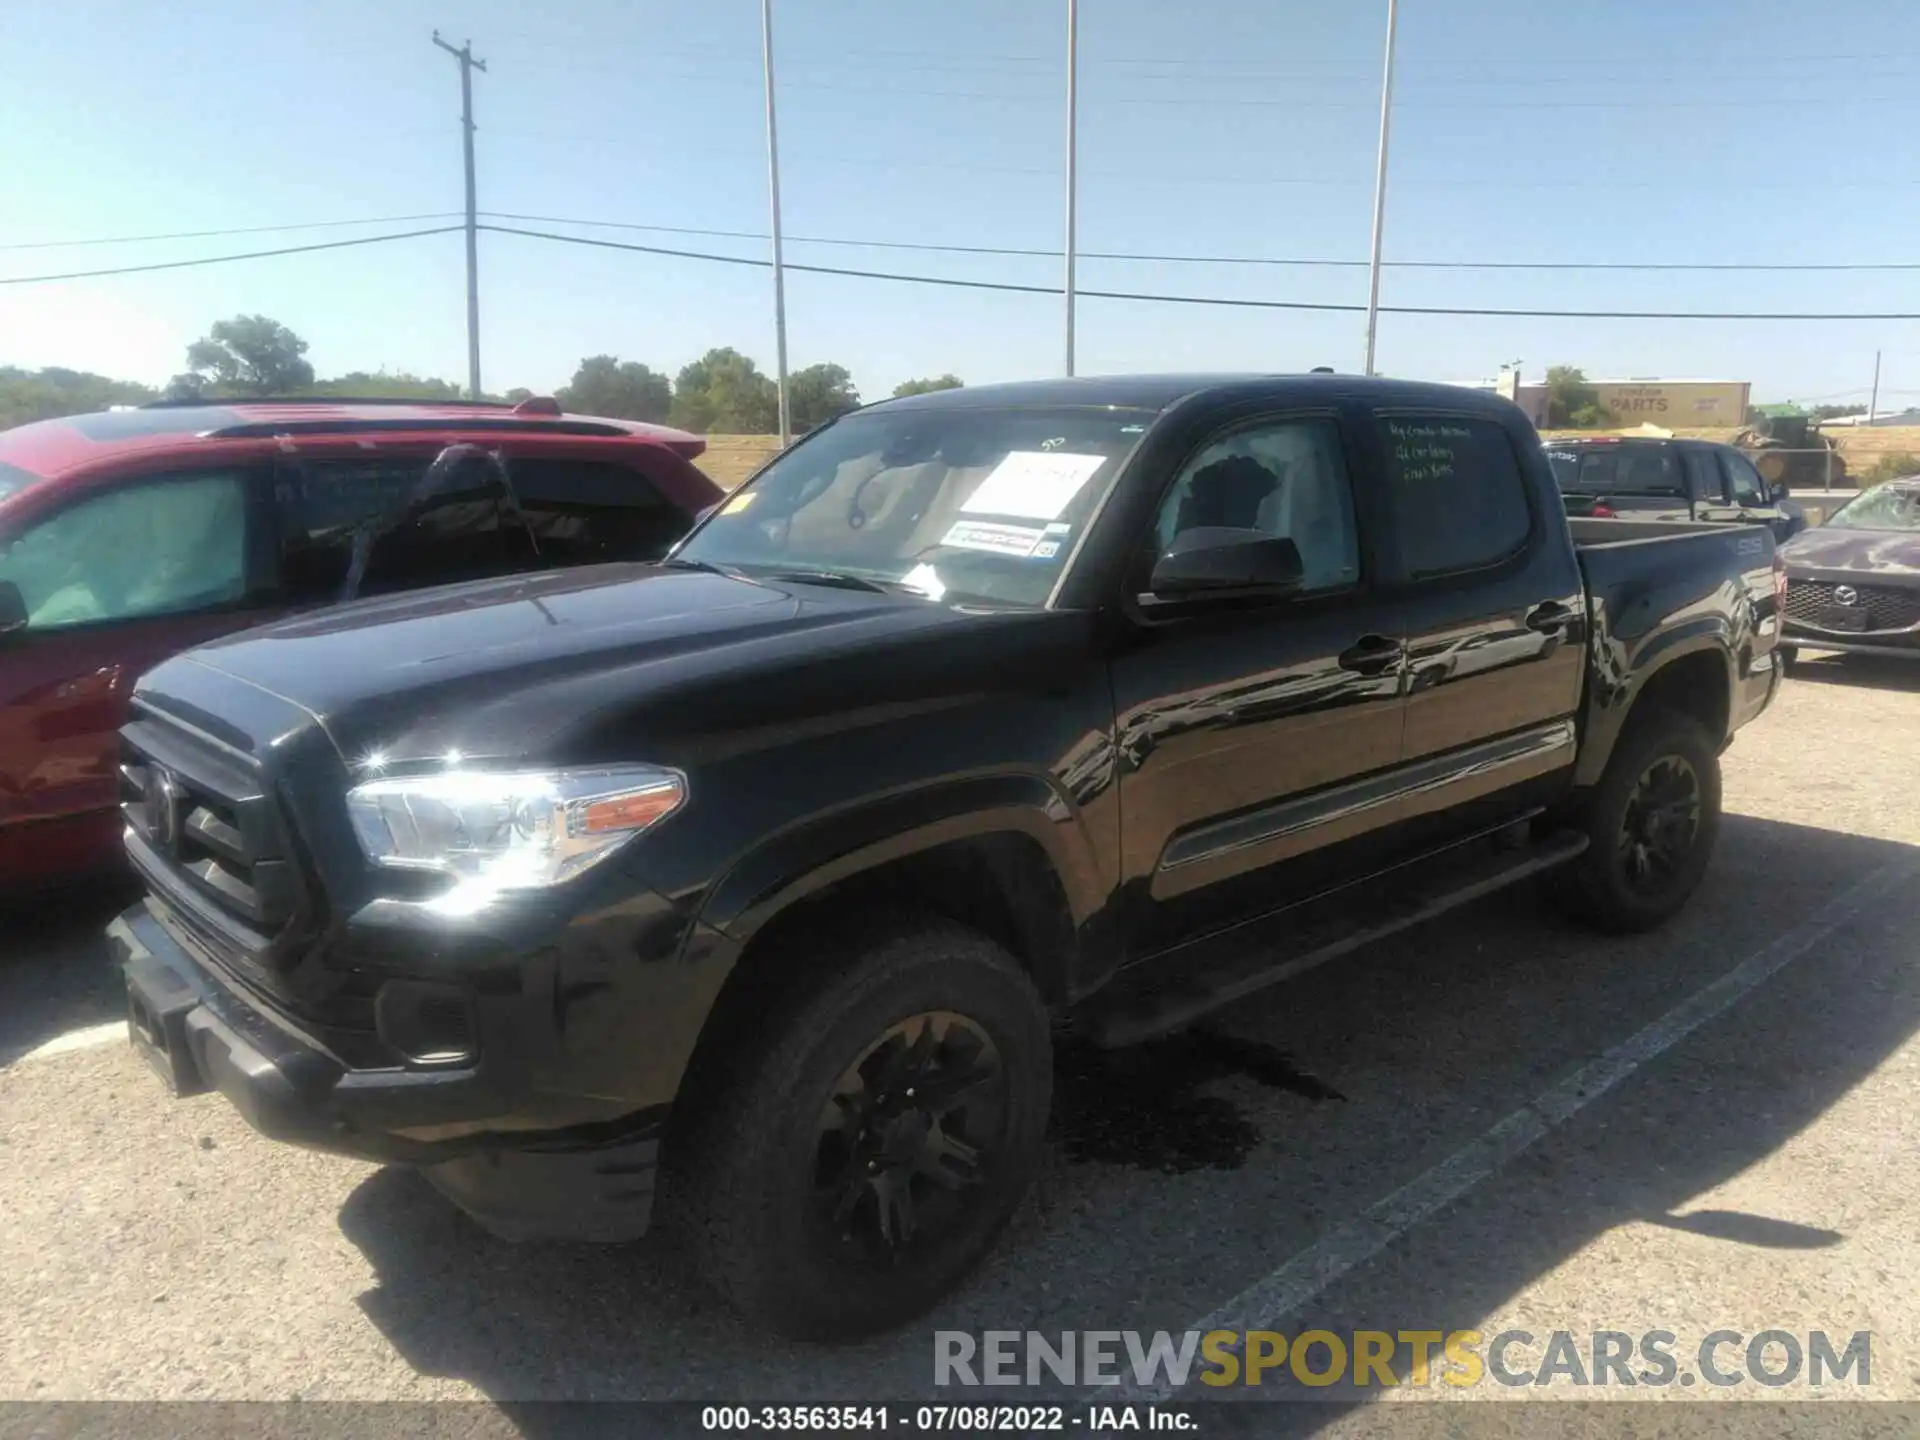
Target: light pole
{"x": 1380, "y": 187}
{"x": 1073, "y": 159}
{"x": 464, "y": 54}
{"x": 779, "y": 268}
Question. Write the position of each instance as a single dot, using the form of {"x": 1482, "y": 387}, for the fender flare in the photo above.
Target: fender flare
{"x": 1607, "y": 715}
{"x": 794, "y": 862}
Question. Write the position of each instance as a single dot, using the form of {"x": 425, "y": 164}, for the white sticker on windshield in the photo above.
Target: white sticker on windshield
{"x": 995, "y": 539}
{"x": 1032, "y": 484}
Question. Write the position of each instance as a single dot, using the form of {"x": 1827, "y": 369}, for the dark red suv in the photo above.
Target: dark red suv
{"x": 128, "y": 535}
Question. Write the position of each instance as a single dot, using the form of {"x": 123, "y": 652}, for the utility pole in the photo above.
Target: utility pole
{"x": 1073, "y": 159}
{"x": 779, "y": 264}
{"x": 1380, "y": 187}
{"x": 464, "y": 54}
{"x": 1873, "y": 405}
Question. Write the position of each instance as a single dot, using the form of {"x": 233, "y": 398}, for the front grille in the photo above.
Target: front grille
{"x": 1887, "y": 607}
{"x": 203, "y": 828}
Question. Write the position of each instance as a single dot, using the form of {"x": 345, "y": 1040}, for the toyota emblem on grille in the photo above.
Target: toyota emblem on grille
{"x": 1845, "y": 595}
{"x": 160, "y": 798}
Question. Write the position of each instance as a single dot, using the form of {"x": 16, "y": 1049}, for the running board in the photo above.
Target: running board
{"x": 1244, "y": 962}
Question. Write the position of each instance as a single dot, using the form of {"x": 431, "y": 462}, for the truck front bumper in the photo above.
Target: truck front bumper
{"x": 201, "y": 1034}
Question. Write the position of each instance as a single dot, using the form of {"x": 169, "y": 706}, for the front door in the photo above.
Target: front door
{"x": 1247, "y": 731}
{"x": 1753, "y": 501}
{"x": 113, "y": 584}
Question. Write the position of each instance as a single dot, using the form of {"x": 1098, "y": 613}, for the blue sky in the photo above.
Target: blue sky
{"x": 1613, "y": 130}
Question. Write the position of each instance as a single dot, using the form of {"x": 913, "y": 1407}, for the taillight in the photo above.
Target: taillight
{"x": 1604, "y": 511}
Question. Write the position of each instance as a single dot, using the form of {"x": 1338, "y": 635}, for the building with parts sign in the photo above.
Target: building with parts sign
{"x": 1670, "y": 404}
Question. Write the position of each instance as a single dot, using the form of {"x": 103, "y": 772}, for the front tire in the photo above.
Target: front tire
{"x": 1651, "y": 824}
{"x": 851, "y": 1174}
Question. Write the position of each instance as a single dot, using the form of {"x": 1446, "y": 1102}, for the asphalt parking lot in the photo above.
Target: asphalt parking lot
{"x": 1496, "y": 1122}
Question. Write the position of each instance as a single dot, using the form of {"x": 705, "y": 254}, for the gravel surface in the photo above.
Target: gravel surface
{"x": 1759, "y": 1174}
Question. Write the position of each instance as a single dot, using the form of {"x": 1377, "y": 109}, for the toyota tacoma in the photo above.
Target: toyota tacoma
{"x": 753, "y": 887}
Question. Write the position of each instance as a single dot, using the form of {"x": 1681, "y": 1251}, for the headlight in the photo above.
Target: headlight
{"x": 509, "y": 831}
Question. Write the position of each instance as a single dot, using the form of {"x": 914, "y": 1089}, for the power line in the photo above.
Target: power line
{"x": 1263, "y": 102}
{"x": 1007, "y": 287}
{"x": 1221, "y": 300}
{"x": 1270, "y": 260}
{"x": 235, "y": 230}
{"x": 225, "y": 259}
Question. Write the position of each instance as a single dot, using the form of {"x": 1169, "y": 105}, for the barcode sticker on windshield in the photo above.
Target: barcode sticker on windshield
{"x": 1017, "y": 540}
{"x": 1032, "y": 484}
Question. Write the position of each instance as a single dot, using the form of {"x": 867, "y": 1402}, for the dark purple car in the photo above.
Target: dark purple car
{"x": 1853, "y": 584}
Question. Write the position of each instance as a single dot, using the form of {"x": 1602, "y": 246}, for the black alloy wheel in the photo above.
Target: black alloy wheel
{"x": 907, "y": 1137}
{"x": 1660, "y": 824}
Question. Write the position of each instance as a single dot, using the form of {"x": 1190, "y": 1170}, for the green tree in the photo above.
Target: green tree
{"x": 1572, "y": 402}
{"x": 29, "y": 395}
{"x": 603, "y": 385}
{"x": 818, "y": 394}
{"x": 1834, "y": 412}
{"x": 518, "y": 394}
{"x": 247, "y": 355}
{"x": 386, "y": 385}
{"x": 926, "y": 387}
{"x": 723, "y": 392}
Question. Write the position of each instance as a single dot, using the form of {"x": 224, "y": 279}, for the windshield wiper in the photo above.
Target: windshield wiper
{"x": 676, "y": 563}
{"x": 840, "y": 579}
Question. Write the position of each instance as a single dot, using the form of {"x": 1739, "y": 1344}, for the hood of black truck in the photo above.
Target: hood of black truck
{"x": 579, "y": 666}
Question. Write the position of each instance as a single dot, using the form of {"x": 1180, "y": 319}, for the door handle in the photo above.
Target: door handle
{"x": 1548, "y": 619}
{"x": 1372, "y": 655}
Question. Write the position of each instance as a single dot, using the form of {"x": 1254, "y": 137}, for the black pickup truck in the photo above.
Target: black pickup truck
{"x": 1644, "y": 479}
{"x": 765, "y": 877}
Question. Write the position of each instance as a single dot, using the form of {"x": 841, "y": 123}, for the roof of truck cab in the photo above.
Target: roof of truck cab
{"x": 52, "y": 448}
{"x": 1157, "y": 392}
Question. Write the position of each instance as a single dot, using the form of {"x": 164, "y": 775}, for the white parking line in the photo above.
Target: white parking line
{"x": 1262, "y": 1305}
{"x": 90, "y": 1038}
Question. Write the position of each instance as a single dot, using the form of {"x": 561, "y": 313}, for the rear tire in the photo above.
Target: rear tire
{"x": 849, "y": 1165}
{"x": 1651, "y": 824}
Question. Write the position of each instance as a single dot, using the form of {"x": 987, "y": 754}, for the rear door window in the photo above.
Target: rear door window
{"x": 1458, "y": 495}
{"x": 583, "y": 512}
{"x": 455, "y": 534}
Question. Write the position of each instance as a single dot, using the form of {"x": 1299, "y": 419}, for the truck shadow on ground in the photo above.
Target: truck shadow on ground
{"x": 1869, "y": 672}
{"x": 54, "y": 975}
{"x": 1425, "y": 1043}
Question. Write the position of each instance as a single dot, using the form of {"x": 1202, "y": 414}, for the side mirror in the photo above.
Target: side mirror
{"x": 13, "y": 608}
{"x": 1213, "y": 558}
{"x": 1778, "y": 491}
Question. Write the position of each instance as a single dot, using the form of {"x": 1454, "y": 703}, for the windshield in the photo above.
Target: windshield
{"x": 956, "y": 504}
{"x": 13, "y": 479}
{"x": 1617, "y": 470}
{"x": 1886, "y": 507}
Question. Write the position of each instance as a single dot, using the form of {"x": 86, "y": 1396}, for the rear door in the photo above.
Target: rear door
{"x": 114, "y": 582}
{"x": 1248, "y": 732}
{"x": 1487, "y": 590}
